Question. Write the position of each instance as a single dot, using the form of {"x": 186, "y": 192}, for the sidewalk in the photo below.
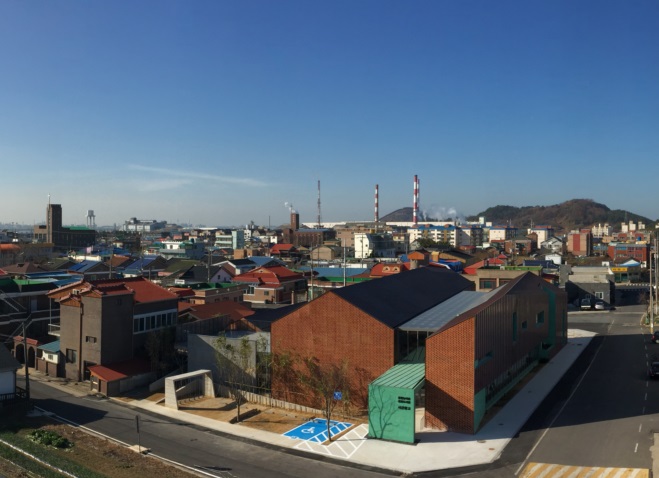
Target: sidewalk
{"x": 433, "y": 451}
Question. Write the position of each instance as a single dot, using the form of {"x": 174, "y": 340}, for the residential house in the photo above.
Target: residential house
{"x": 9, "y": 391}
{"x": 591, "y": 282}
{"x": 107, "y": 322}
{"x": 272, "y": 285}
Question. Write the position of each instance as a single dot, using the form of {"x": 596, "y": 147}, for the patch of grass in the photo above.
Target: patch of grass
{"x": 27, "y": 464}
{"x": 43, "y": 453}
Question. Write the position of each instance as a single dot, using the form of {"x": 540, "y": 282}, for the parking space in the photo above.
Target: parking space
{"x": 316, "y": 430}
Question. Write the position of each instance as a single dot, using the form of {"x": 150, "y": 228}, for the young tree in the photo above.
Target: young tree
{"x": 324, "y": 379}
{"x": 235, "y": 366}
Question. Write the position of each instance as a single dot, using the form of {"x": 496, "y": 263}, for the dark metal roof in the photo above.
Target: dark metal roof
{"x": 395, "y": 299}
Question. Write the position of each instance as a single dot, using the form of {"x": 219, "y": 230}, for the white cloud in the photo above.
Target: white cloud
{"x": 203, "y": 176}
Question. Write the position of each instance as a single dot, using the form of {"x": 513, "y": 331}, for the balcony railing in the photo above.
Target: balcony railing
{"x": 53, "y": 329}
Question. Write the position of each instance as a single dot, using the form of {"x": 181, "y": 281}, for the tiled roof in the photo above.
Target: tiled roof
{"x": 144, "y": 289}
{"x": 281, "y": 248}
{"x": 119, "y": 370}
{"x": 268, "y": 275}
{"x": 234, "y": 310}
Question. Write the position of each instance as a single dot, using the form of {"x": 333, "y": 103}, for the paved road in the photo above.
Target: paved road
{"x": 610, "y": 418}
{"x": 206, "y": 451}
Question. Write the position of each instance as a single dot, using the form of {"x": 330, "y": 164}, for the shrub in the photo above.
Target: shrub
{"x": 48, "y": 438}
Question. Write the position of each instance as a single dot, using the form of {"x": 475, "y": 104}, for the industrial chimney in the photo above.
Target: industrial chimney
{"x": 415, "y": 209}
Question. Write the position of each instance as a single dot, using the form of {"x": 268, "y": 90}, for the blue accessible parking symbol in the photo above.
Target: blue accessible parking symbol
{"x": 316, "y": 430}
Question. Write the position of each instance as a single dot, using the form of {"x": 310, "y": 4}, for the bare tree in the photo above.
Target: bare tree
{"x": 235, "y": 366}
{"x": 326, "y": 380}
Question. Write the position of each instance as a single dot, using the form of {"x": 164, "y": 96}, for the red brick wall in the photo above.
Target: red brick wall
{"x": 450, "y": 378}
{"x": 331, "y": 330}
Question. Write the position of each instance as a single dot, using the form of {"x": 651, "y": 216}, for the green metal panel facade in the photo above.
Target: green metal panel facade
{"x": 391, "y": 402}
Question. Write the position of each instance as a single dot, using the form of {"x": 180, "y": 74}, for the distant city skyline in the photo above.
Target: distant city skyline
{"x": 220, "y": 113}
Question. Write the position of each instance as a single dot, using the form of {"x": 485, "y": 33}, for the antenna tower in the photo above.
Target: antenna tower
{"x": 319, "y": 223}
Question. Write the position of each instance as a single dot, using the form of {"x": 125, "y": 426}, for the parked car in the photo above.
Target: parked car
{"x": 599, "y": 305}
{"x": 653, "y": 371}
{"x": 585, "y": 304}
{"x": 655, "y": 337}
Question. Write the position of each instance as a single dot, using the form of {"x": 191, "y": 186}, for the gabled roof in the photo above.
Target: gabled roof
{"x": 143, "y": 290}
{"x": 268, "y": 276}
{"x": 383, "y": 269}
{"x": 24, "y": 268}
{"x": 52, "y": 347}
{"x": 7, "y": 362}
{"x": 395, "y": 299}
{"x": 88, "y": 266}
{"x": 277, "y": 248}
{"x": 117, "y": 371}
{"x": 265, "y": 261}
{"x": 525, "y": 283}
{"x": 234, "y": 310}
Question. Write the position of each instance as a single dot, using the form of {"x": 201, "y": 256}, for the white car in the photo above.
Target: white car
{"x": 599, "y": 305}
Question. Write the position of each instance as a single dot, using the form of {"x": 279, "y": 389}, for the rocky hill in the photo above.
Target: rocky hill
{"x": 566, "y": 216}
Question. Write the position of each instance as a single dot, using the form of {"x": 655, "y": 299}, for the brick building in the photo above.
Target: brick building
{"x": 477, "y": 345}
{"x": 359, "y": 324}
{"x": 474, "y": 358}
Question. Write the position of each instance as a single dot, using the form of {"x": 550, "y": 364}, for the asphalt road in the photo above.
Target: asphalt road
{"x": 205, "y": 451}
{"x": 610, "y": 418}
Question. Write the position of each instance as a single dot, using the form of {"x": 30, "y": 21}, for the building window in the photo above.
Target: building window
{"x": 488, "y": 283}
{"x": 514, "y": 326}
{"x": 266, "y": 292}
{"x": 484, "y": 359}
{"x": 90, "y": 340}
{"x": 524, "y": 325}
{"x": 599, "y": 295}
{"x": 71, "y": 356}
{"x": 540, "y": 318}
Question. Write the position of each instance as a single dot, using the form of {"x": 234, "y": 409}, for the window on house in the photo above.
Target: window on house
{"x": 71, "y": 356}
{"x": 90, "y": 340}
{"x": 488, "y": 283}
{"x": 599, "y": 295}
{"x": 266, "y": 292}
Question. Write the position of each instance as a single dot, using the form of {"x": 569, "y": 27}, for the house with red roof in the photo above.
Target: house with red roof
{"x": 384, "y": 269}
{"x": 108, "y": 321}
{"x": 272, "y": 285}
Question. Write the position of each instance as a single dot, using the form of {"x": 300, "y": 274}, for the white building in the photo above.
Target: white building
{"x": 374, "y": 245}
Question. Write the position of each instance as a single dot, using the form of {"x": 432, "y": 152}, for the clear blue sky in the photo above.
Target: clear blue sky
{"x": 218, "y": 112}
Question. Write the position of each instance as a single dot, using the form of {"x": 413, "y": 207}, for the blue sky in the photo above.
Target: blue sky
{"x": 219, "y": 112}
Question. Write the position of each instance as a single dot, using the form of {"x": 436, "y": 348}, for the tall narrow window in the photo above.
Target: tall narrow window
{"x": 514, "y": 326}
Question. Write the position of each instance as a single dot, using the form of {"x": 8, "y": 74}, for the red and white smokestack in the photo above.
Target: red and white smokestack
{"x": 377, "y": 214}
{"x": 415, "y": 209}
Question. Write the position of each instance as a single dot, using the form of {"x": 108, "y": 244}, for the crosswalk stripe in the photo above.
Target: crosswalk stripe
{"x": 550, "y": 470}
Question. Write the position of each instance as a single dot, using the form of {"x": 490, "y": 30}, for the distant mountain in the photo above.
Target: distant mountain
{"x": 572, "y": 214}
{"x": 566, "y": 216}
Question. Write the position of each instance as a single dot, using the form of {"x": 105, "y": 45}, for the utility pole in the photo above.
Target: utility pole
{"x": 25, "y": 355}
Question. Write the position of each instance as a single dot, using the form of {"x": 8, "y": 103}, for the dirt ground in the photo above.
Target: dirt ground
{"x": 252, "y": 415}
{"x": 101, "y": 455}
